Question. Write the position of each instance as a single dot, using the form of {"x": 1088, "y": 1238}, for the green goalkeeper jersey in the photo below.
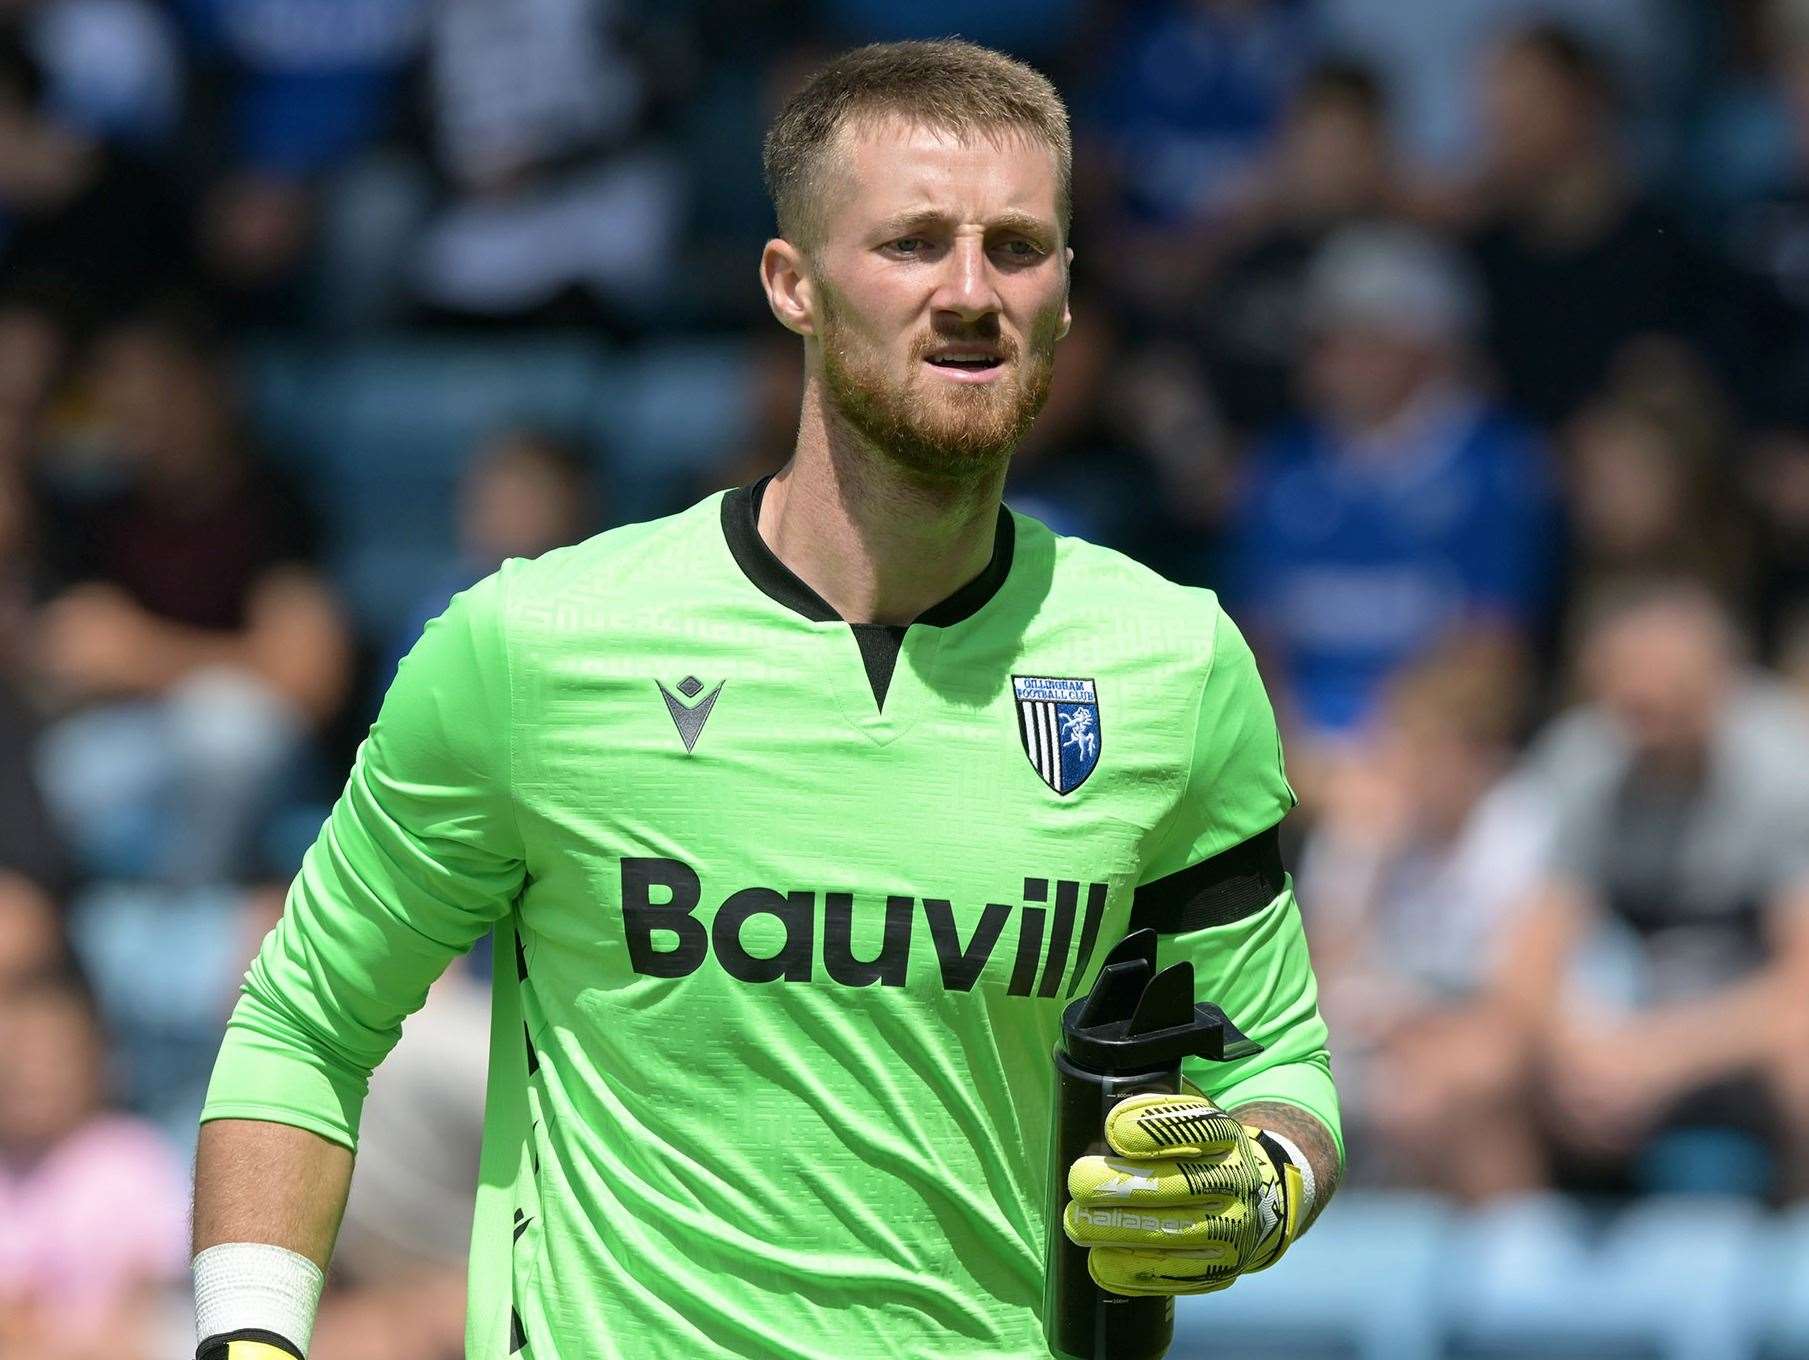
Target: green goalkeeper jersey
{"x": 779, "y": 966}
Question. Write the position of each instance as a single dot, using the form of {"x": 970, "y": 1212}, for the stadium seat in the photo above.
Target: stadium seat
{"x": 382, "y": 430}
{"x": 1666, "y": 1277}
{"x": 684, "y": 407}
{"x": 1778, "y": 1288}
{"x": 165, "y": 965}
{"x": 1361, "y": 1283}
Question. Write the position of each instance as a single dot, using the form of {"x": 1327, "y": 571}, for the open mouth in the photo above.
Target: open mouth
{"x": 967, "y": 363}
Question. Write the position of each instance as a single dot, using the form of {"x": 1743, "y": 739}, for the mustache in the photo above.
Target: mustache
{"x": 1003, "y": 345}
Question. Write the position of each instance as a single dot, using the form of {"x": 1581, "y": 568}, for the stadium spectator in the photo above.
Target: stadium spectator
{"x": 1161, "y": 401}
{"x": 1766, "y": 231}
{"x": 1403, "y": 508}
{"x": 1793, "y": 654}
{"x": 1335, "y": 164}
{"x": 93, "y": 1205}
{"x": 28, "y": 847}
{"x": 113, "y": 68}
{"x": 1577, "y": 259}
{"x": 33, "y": 347}
{"x": 1776, "y": 477}
{"x": 525, "y": 492}
{"x": 1186, "y": 98}
{"x": 1664, "y": 960}
{"x": 1647, "y": 488}
{"x": 1420, "y": 852}
{"x": 1427, "y": 52}
{"x": 1076, "y": 470}
{"x": 560, "y": 203}
{"x": 301, "y": 92}
{"x": 76, "y": 214}
{"x": 32, "y": 940}
{"x": 190, "y": 622}
{"x": 1041, "y": 32}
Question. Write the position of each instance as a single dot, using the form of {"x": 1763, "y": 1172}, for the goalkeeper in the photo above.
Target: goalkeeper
{"x": 797, "y": 818}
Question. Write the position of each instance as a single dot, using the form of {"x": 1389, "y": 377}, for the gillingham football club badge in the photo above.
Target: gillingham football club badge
{"x": 1058, "y": 722}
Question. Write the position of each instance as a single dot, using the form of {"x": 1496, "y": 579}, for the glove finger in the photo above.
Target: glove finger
{"x": 1130, "y": 1183}
{"x": 1192, "y": 1226}
{"x": 1158, "y": 1125}
{"x": 1141, "y": 1273}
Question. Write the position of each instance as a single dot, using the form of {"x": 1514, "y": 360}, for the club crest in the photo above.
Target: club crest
{"x": 1058, "y": 722}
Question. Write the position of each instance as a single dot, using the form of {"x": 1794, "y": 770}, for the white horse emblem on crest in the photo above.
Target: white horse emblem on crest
{"x": 1058, "y": 723}
{"x": 1077, "y": 731}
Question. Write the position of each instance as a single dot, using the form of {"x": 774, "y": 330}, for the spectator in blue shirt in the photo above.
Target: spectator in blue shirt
{"x": 1404, "y": 507}
{"x": 1175, "y": 129}
{"x": 306, "y": 86}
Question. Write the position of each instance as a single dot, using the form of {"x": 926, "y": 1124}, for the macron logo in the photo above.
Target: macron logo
{"x": 689, "y": 718}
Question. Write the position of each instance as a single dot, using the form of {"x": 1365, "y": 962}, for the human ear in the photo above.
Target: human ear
{"x": 789, "y": 290}
{"x": 1067, "y": 313}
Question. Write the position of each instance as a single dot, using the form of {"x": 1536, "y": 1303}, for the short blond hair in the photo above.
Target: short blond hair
{"x": 948, "y": 85}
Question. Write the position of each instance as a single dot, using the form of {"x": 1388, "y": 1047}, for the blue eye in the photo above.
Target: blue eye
{"x": 904, "y": 241}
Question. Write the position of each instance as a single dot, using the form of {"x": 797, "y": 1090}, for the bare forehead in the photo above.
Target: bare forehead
{"x": 881, "y": 167}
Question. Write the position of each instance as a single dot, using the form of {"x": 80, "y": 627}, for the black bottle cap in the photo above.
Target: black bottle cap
{"x": 1136, "y": 1019}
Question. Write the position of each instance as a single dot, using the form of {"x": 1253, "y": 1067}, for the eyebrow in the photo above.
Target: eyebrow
{"x": 1010, "y": 220}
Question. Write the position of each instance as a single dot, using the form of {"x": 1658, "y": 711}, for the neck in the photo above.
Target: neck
{"x": 1384, "y": 433}
{"x": 879, "y": 544}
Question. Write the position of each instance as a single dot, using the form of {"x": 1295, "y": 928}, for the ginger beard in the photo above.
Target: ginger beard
{"x": 937, "y": 430}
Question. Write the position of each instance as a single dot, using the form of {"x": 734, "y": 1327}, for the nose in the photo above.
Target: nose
{"x": 966, "y": 288}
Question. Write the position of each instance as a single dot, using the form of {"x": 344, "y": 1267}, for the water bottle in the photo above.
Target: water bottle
{"x": 1127, "y": 1036}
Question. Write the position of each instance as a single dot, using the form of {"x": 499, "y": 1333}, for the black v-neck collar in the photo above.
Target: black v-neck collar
{"x": 741, "y": 527}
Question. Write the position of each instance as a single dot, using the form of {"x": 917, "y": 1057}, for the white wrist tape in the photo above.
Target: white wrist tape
{"x": 241, "y": 1285}
{"x": 1296, "y": 1156}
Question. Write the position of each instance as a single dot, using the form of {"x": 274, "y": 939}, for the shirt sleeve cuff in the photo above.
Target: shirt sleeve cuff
{"x": 1305, "y": 1085}
{"x": 257, "y": 1076}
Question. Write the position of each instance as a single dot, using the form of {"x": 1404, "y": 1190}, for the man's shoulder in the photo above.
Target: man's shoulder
{"x": 1094, "y": 586}
{"x": 1764, "y": 741}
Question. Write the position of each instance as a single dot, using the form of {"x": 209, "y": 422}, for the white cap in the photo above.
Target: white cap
{"x": 1393, "y": 277}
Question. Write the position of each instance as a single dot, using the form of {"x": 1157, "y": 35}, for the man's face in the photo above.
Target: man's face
{"x": 1334, "y": 159}
{"x": 1534, "y": 119}
{"x": 1360, "y": 375}
{"x": 1663, "y": 673}
{"x": 941, "y": 287}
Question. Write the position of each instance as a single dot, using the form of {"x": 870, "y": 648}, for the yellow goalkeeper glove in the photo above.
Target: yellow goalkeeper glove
{"x": 1191, "y": 1200}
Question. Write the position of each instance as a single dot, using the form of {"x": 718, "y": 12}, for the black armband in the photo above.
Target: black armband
{"x": 1233, "y": 884}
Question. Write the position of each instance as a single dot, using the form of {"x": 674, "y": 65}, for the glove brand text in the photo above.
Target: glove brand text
{"x": 1120, "y": 1218}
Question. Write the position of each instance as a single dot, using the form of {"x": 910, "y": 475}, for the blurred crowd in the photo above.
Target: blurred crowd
{"x": 1461, "y": 345}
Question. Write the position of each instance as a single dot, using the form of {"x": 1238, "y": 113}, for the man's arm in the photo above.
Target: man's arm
{"x": 1218, "y": 895}
{"x": 420, "y": 856}
{"x": 1308, "y": 1133}
{"x": 1612, "y": 1073}
{"x": 257, "y": 1181}
{"x": 1258, "y": 969}
{"x": 95, "y": 640}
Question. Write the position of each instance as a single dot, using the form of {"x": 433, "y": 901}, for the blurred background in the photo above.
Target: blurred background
{"x": 1462, "y": 345}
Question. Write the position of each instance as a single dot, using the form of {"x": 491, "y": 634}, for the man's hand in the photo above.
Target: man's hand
{"x": 1192, "y": 1199}
{"x": 95, "y": 641}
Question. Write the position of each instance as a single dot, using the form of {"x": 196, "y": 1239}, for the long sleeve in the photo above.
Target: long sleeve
{"x": 421, "y": 855}
{"x": 1215, "y": 892}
